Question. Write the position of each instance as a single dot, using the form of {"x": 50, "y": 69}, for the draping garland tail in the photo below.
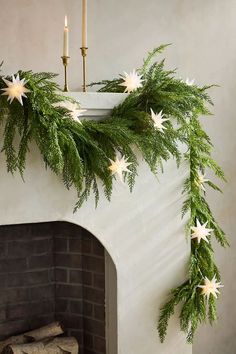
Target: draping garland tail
{"x": 160, "y": 112}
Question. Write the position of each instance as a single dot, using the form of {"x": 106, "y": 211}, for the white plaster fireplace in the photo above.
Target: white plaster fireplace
{"x": 142, "y": 233}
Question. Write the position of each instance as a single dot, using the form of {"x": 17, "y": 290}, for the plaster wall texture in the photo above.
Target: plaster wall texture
{"x": 120, "y": 34}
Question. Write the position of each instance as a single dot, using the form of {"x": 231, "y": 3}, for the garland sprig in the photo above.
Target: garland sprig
{"x": 160, "y": 112}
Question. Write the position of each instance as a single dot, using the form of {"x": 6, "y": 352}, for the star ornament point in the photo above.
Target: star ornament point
{"x": 119, "y": 166}
{"x": 210, "y": 287}
{"x": 200, "y": 232}
{"x": 158, "y": 120}
{"x": 201, "y": 180}
{"x": 75, "y": 111}
{"x": 15, "y": 89}
{"x": 132, "y": 81}
{"x": 190, "y": 82}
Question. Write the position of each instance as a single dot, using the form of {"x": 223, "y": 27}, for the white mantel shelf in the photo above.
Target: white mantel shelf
{"x": 97, "y": 104}
{"x": 143, "y": 232}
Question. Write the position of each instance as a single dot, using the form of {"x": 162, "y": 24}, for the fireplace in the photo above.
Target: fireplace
{"x": 146, "y": 253}
{"x": 49, "y": 272}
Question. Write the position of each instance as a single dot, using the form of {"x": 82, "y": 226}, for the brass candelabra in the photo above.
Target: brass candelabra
{"x": 65, "y": 61}
{"x": 84, "y": 57}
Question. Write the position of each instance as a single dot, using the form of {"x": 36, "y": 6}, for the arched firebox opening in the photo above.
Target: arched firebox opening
{"x": 58, "y": 271}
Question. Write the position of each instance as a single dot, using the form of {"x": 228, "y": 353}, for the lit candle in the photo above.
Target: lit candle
{"x": 84, "y": 23}
{"x": 66, "y": 39}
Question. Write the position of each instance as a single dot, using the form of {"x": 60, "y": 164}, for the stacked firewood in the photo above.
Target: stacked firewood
{"x": 43, "y": 340}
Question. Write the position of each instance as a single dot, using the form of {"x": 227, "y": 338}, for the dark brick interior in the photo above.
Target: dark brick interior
{"x": 53, "y": 271}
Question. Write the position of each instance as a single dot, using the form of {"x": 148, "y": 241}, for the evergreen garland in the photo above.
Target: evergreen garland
{"x": 80, "y": 153}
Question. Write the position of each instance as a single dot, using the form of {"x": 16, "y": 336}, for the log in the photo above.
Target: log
{"x": 52, "y": 330}
{"x": 12, "y": 340}
{"x": 59, "y": 345}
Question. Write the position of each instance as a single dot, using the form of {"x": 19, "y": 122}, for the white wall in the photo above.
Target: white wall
{"x": 120, "y": 33}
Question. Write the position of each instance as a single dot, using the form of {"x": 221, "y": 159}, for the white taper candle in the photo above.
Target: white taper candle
{"x": 66, "y": 39}
{"x": 84, "y": 23}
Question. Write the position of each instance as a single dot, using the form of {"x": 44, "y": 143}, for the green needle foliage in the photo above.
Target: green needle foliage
{"x": 80, "y": 154}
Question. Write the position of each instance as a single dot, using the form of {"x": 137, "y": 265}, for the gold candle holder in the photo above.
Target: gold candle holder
{"x": 84, "y": 56}
{"x": 65, "y": 61}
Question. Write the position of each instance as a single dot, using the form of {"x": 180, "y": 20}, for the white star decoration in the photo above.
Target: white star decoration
{"x": 132, "y": 81}
{"x": 119, "y": 166}
{"x": 158, "y": 120}
{"x": 201, "y": 180}
{"x": 200, "y": 232}
{"x": 75, "y": 111}
{"x": 210, "y": 287}
{"x": 189, "y": 82}
{"x": 15, "y": 89}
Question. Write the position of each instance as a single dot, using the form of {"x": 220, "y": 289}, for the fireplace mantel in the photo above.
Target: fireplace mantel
{"x": 143, "y": 233}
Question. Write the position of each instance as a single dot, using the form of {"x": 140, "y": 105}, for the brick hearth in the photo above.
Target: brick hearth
{"x": 53, "y": 271}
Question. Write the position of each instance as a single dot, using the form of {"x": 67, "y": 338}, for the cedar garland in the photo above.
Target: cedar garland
{"x": 80, "y": 153}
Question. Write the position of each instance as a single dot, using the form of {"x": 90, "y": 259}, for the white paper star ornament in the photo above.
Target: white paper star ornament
{"x": 132, "y": 81}
{"x": 15, "y": 89}
{"x": 201, "y": 180}
{"x": 210, "y": 287}
{"x": 189, "y": 82}
{"x": 158, "y": 120}
{"x": 78, "y": 113}
{"x": 75, "y": 111}
{"x": 200, "y": 232}
{"x": 119, "y": 166}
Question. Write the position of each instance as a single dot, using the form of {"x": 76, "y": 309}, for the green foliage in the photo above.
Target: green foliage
{"x": 80, "y": 153}
{"x": 196, "y": 309}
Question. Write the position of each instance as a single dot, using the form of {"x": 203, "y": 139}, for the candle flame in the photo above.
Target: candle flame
{"x": 66, "y": 24}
